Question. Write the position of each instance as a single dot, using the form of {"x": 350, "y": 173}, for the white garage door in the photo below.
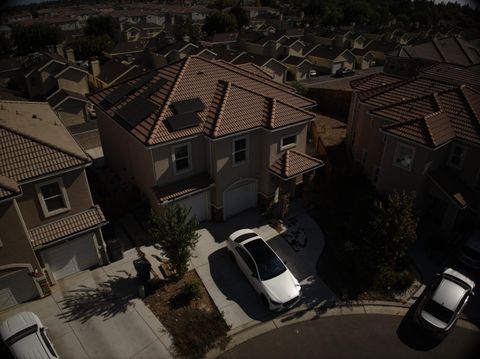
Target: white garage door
{"x": 71, "y": 257}
{"x": 239, "y": 199}
{"x": 199, "y": 204}
{"x": 337, "y": 66}
{"x": 16, "y": 286}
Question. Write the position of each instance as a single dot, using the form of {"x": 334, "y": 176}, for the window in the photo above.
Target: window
{"x": 288, "y": 142}
{"x": 240, "y": 151}
{"x": 181, "y": 159}
{"x": 53, "y": 197}
{"x": 404, "y": 156}
{"x": 457, "y": 155}
{"x": 248, "y": 261}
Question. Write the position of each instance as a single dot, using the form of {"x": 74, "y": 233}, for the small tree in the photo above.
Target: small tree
{"x": 176, "y": 234}
{"x": 240, "y": 15}
{"x": 219, "y": 22}
{"x": 100, "y": 25}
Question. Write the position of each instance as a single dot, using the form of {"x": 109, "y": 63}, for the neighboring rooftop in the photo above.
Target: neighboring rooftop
{"x": 190, "y": 78}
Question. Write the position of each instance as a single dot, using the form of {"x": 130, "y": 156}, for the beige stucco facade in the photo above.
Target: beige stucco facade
{"x": 74, "y": 80}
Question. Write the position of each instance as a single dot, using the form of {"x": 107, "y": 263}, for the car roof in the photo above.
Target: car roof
{"x": 31, "y": 347}
{"x": 460, "y": 276}
{"x": 448, "y": 293}
{"x": 17, "y": 323}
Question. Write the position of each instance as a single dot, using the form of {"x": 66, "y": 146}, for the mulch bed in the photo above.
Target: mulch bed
{"x": 195, "y": 325}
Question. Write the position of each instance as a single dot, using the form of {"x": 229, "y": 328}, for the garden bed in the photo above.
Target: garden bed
{"x": 195, "y": 325}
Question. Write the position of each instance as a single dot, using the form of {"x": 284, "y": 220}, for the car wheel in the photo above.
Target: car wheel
{"x": 264, "y": 301}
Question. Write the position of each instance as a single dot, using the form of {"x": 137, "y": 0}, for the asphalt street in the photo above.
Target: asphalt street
{"x": 357, "y": 336}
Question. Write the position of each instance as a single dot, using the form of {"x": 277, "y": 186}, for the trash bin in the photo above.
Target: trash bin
{"x": 114, "y": 249}
{"x": 143, "y": 268}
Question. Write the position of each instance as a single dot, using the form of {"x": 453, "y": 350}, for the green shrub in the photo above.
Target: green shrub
{"x": 389, "y": 280}
{"x": 192, "y": 290}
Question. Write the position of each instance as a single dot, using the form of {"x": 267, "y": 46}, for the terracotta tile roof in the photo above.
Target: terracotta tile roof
{"x": 33, "y": 141}
{"x": 236, "y": 108}
{"x": 374, "y": 81}
{"x": 183, "y": 188}
{"x": 8, "y": 187}
{"x": 293, "y": 163}
{"x": 437, "y": 118}
{"x": 452, "y": 186}
{"x": 255, "y": 69}
{"x": 451, "y": 49}
{"x": 193, "y": 77}
{"x": 67, "y": 226}
{"x": 453, "y": 73}
{"x": 245, "y": 58}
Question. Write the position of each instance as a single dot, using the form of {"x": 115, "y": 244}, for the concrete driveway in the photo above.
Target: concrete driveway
{"x": 95, "y": 314}
{"x": 228, "y": 287}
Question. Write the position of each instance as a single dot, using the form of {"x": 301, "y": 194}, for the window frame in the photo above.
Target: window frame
{"x": 247, "y": 150}
{"x": 174, "y": 159}
{"x": 43, "y": 203}
{"x": 290, "y": 145}
{"x": 451, "y": 154}
{"x": 396, "y": 154}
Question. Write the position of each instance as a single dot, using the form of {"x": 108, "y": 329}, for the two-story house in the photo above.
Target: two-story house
{"x": 210, "y": 135}
{"x": 422, "y": 134}
{"x": 49, "y": 225}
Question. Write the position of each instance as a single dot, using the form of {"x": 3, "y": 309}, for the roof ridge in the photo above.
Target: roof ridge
{"x": 286, "y": 163}
{"x": 434, "y": 42}
{"x": 167, "y": 102}
{"x": 43, "y": 143}
{"x": 463, "y": 49}
{"x": 219, "y": 115}
{"x": 470, "y": 106}
{"x": 382, "y": 89}
{"x": 413, "y": 99}
{"x": 272, "y": 109}
{"x": 306, "y": 156}
{"x": 95, "y": 208}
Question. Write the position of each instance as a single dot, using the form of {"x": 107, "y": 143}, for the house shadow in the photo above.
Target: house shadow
{"x": 413, "y": 336}
{"x": 232, "y": 283}
{"x": 106, "y": 300}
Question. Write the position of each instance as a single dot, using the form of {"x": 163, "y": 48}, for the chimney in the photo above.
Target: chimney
{"x": 95, "y": 65}
{"x": 70, "y": 55}
{"x": 60, "y": 50}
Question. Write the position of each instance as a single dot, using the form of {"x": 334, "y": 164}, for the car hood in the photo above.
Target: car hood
{"x": 17, "y": 323}
{"x": 282, "y": 288}
{"x": 433, "y": 320}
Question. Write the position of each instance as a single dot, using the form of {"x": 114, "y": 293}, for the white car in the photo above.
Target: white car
{"x": 273, "y": 281}
{"x": 26, "y": 337}
{"x": 442, "y": 304}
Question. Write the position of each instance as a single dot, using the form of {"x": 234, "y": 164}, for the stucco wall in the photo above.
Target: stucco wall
{"x": 16, "y": 246}
{"x": 76, "y": 185}
{"x": 75, "y": 81}
{"x": 72, "y": 112}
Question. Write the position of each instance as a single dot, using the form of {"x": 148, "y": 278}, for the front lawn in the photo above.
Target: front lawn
{"x": 190, "y": 316}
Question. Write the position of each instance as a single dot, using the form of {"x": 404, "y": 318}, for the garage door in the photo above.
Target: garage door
{"x": 71, "y": 257}
{"x": 199, "y": 204}
{"x": 16, "y": 286}
{"x": 239, "y": 199}
{"x": 337, "y": 66}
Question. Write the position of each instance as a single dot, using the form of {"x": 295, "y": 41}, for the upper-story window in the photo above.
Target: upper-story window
{"x": 181, "y": 158}
{"x": 240, "y": 150}
{"x": 53, "y": 197}
{"x": 404, "y": 156}
{"x": 457, "y": 155}
{"x": 288, "y": 142}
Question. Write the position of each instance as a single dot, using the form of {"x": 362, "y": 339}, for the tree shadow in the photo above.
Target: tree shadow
{"x": 412, "y": 335}
{"x": 106, "y": 300}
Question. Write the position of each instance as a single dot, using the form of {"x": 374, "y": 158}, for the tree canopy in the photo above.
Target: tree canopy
{"x": 100, "y": 25}
{"x": 219, "y": 22}
{"x": 88, "y": 46}
{"x": 33, "y": 38}
{"x": 240, "y": 15}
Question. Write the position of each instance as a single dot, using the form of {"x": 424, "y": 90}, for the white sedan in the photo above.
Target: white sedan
{"x": 273, "y": 281}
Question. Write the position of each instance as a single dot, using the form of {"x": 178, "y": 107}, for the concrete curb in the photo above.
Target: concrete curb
{"x": 254, "y": 328}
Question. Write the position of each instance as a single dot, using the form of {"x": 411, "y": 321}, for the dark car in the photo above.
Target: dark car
{"x": 442, "y": 303}
{"x": 343, "y": 72}
{"x": 469, "y": 254}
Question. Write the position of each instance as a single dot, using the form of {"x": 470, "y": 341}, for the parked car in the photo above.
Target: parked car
{"x": 268, "y": 274}
{"x": 313, "y": 73}
{"x": 441, "y": 304}
{"x": 469, "y": 254}
{"x": 26, "y": 337}
{"x": 343, "y": 72}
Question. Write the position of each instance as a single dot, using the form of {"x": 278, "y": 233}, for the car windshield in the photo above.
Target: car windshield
{"x": 21, "y": 334}
{"x": 269, "y": 265}
{"x": 439, "y": 311}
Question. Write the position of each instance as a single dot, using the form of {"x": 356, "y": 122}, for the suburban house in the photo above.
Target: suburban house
{"x": 330, "y": 59}
{"x": 227, "y": 55}
{"x": 364, "y": 58}
{"x": 46, "y": 72}
{"x": 138, "y": 32}
{"x": 71, "y": 107}
{"x": 298, "y": 68}
{"x": 356, "y": 40}
{"x": 127, "y": 50}
{"x": 165, "y": 49}
{"x": 269, "y": 64}
{"x": 210, "y": 135}
{"x": 222, "y": 39}
{"x": 337, "y": 37}
{"x": 422, "y": 134}
{"x": 407, "y": 59}
{"x": 49, "y": 226}
{"x": 267, "y": 45}
{"x": 110, "y": 73}
{"x": 292, "y": 46}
